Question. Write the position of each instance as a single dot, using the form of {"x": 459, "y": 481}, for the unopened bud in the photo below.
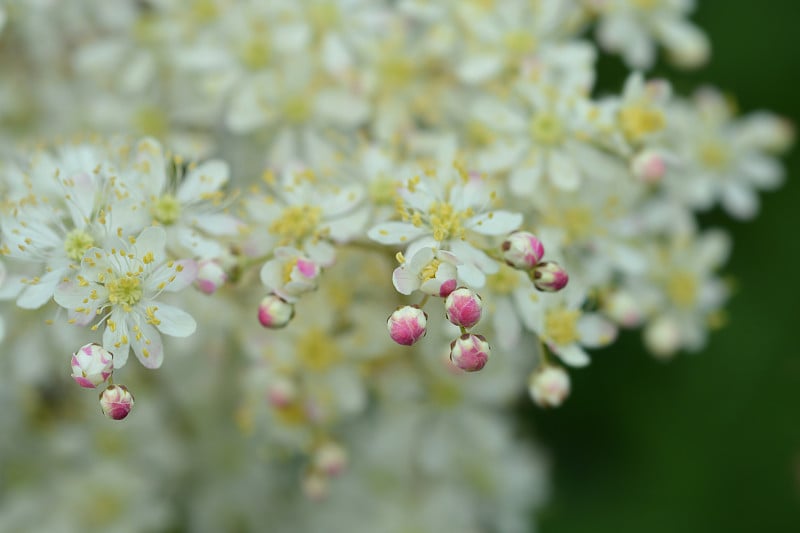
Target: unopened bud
{"x": 330, "y": 459}
{"x": 91, "y": 365}
{"x": 116, "y": 402}
{"x": 549, "y": 277}
{"x": 522, "y": 250}
{"x": 463, "y": 307}
{"x": 407, "y": 325}
{"x": 662, "y": 337}
{"x": 274, "y": 312}
{"x": 549, "y": 387}
{"x": 649, "y": 166}
{"x": 281, "y": 392}
{"x": 315, "y": 486}
{"x": 621, "y": 307}
{"x": 210, "y": 276}
{"x": 469, "y": 352}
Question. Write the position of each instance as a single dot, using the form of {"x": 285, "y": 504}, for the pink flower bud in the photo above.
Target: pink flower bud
{"x": 116, "y": 402}
{"x": 274, "y": 312}
{"x": 649, "y": 166}
{"x": 91, "y": 365}
{"x": 463, "y": 307}
{"x": 469, "y": 352}
{"x": 549, "y": 387}
{"x": 407, "y": 325}
{"x": 549, "y": 277}
{"x": 210, "y": 276}
{"x": 522, "y": 250}
{"x": 330, "y": 459}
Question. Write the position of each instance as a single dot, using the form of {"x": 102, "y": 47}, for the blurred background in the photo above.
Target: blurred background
{"x": 707, "y": 442}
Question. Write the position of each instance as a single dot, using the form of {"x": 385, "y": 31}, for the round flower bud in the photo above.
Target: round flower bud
{"x": 522, "y": 250}
{"x": 315, "y": 486}
{"x": 662, "y": 337}
{"x": 549, "y": 277}
{"x": 463, "y": 307}
{"x": 116, "y": 402}
{"x": 407, "y": 325}
{"x": 623, "y": 309}
{"x": 210, "y": 276}
{"x": 469, "y": 352}
{"x": 274, "y": 312}
{"x": 91, "y": 365}
{"x": 281, "y": 392}
{"x": 330, "y": 459}
{"x": 649, "y": 166}
{"x": 549, "y": 387}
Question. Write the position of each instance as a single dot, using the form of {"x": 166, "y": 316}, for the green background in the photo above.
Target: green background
{"x": 707, "y": 442}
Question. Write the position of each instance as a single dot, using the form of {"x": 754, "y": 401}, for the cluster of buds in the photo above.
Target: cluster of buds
{"x": 523, "y": 251}
{"x": 329, "y": 460}
{"x": 92, "y": 366}
{"x": 464, "y": 308}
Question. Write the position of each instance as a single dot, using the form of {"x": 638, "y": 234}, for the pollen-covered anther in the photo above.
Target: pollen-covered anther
{"x": 549, "y": 277}
{"x": 91, "y": 365}
{"x": 210, "y": 276}
{"x": 549, "y": 386}
{"x": 469, "y": 352}
{"x": 274, "y": 312}
{"x": 407, "y": 325}
{"x": 522, "y": 250}
{"x": 116, "y": 402}
{"x": 463, "y": 307}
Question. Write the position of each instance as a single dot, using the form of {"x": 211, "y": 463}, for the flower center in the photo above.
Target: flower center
{"x": 324, "y": 16}
{"x": 639, "y": 120}
{"x": 446, "y": 221}
{"x": 519, "y": 43}
{"x": 317, "y": 351}
{"x": 547, "y": 129}
{"x": 296, "y": 223}
{"x": 714, "y": 155}
{"x": 76, "y": 243}
{"x": 561, "y": 326}
{"x": 682, "y": 289}
{"x": 296, "y": 109}
{"x": 166, "y": 210}
{"x": 505, "y": 281}
{"x": 125, "y": 291}
{"x": 429, "y": 271}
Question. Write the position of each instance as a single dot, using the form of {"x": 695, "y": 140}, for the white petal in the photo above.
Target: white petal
{"x": 174, "y": 322}
{"x": 740, "y": 201}
{"x": 395, "y": 232}
{"x": 573, "y": 355}
{"x": 341, "y": 107}
{"x": 596, "y": 331}
{"x": 35, "y": 296}
{"x": 148, "y": 347}
{"x": 404, "y": 280}
{"x": 152, "y": 239}
{"x": 207, "y": 178}
{"x": 495, "y": 223}
{"x": 112, "y": 340}
{"x": 562, "y": 172}
{"x": 506, "y": 324}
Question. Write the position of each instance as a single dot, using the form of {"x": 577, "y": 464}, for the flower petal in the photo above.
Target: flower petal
{"x": 174, "y": 321}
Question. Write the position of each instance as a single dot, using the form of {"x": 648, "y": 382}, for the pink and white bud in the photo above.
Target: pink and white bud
{"x": 210, "y": 276}
{"x": 315, "y": 486}
{"x": 281, "y": 392}
{"x": 463, "y": 307}
{"x": 470, "y": 352}
{"x": 662, "y": 337}
{"x": 92, "y": 365}
{"x": 549, "y": 387}
{"x": 549, "y": 277}
{"x": 274, "y": 312}
{"x": 116, "y": 402}
{"x": 330, "y": 459}
{"x": 649, "y": 166}
{"x": 623, "y": 309}
{"x": 407, "y": 325}
{"x": 522, "y": 250}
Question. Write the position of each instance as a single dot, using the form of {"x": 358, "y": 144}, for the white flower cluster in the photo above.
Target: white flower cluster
{"x": 310, "y": 166}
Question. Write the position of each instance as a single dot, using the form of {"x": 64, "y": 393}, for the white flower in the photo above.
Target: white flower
{"x": 120, "y": 284}
{"x": 448, "y": 210}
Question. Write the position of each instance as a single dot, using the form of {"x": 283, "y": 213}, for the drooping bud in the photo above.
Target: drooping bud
{"x": 407, "y": 325}
{"x": 463, "y": 307}
{"x": 522, "y": 250}
{"x": 469, "y": 352}
{"x": 91, "y": 365}
{"x": 330, "y": 459}
{"x": 210, "y": 276}
{"x": 549, "y": 387}
{"x": 649, "y": 166}
{"x": 274, "y": 312}
{"x": 549, "y": 277}
{"x": 116, "y": 402}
